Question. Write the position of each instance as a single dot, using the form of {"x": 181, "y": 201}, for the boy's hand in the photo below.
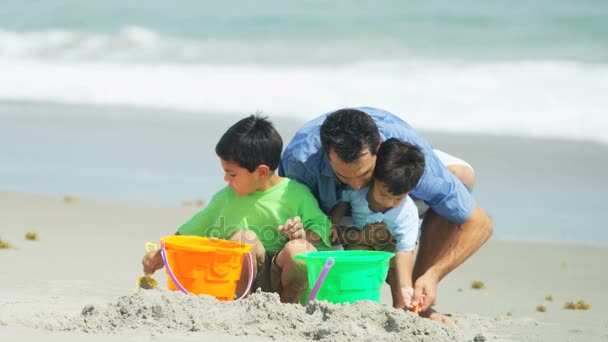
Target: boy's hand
{"x": 404, "y": 300}
{"x": 152, "y": 261}
{"x": 293, "y": 229}
{"x": 407, "y": 293}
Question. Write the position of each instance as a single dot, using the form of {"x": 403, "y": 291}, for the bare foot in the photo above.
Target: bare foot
{"x": 438, "y": 317}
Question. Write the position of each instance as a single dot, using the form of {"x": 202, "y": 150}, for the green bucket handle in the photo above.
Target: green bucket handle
{"x": 329, "y": 263}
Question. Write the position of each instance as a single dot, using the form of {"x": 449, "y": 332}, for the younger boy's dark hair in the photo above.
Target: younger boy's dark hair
{"x": 251, "y": 142}
{"x": 399, "y": 165}
{"x": 348, "y": 132}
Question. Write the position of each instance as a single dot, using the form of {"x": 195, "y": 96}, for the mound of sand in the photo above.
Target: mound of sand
{"x": 159, "y": 312}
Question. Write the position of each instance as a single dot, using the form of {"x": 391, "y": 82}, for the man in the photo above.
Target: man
{"x": 339, "y": 149}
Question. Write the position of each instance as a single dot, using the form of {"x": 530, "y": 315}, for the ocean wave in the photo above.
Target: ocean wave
{"x": 135, "y": 44}
{"x": 549, "y": 99}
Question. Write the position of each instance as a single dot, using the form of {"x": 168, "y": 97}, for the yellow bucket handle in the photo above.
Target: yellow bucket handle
{"x": 150, "y": 247}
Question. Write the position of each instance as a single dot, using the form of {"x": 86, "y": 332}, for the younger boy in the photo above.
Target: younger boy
{"x": 399, "y": 167}
{"x": 254, "y": 207}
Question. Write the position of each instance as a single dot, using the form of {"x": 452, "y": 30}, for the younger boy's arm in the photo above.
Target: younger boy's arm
{"x": 338, "y": 212}
{"x": 405, "y": 231}
{"x": 404, "y": 264}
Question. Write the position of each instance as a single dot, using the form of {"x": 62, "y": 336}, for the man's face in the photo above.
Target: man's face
{"x": 239, "y": 178}
{"x": 356, "y": 174}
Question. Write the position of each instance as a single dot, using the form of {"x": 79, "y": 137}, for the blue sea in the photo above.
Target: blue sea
{"x": 124, "y": 100}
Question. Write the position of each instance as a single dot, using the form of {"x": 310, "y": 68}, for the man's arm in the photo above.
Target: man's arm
{"x": 468, "y": 238}
{"x": 471, "y": 235}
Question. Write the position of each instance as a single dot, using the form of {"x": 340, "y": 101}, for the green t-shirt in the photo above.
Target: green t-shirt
{"x": 261, "y": 212}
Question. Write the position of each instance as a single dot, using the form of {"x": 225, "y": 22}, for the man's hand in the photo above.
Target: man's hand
{"x": 425, "y": 291}
{"x": 293, "y": 229}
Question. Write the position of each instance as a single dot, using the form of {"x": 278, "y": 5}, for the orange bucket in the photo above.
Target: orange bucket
{"x": 201, "y": 265}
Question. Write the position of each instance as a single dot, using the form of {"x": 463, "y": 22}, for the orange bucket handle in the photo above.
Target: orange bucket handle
{"x": 181, "y": 288}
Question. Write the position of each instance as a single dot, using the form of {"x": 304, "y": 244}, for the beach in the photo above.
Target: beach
{"x": 88, "y": 255}
{"x": 90, "y": 247}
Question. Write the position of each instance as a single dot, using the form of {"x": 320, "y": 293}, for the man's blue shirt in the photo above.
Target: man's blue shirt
{"x": 305, "y": 161}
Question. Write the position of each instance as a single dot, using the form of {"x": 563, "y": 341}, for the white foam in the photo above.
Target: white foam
{"x": 550, "y": 99}
{"x": 140, "y": 44}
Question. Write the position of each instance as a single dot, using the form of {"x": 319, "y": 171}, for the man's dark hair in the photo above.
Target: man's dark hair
{"x": 348, "y": 132}
{"x": 251, "y": 142}
{"x": 399, "y": 165}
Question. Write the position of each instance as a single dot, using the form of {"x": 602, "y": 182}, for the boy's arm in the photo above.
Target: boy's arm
{"x": 153, "y": 261}
{"x": 404, "y": 264}
{"x": 405, "y": 231}
{"x": 338, "y": 212}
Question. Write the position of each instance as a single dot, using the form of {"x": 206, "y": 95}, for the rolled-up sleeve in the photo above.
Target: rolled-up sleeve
{"x": 446, "y": 195}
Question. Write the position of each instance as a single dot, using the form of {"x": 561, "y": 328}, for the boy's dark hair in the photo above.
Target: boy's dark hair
{"x": 399, "y": 165}
{"x": 251, "y": 142}
{"x": 348, "y": 132}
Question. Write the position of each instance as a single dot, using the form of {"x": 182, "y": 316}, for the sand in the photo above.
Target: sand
{"x": 77, "y": 281}
{"x": 160, "y": 312}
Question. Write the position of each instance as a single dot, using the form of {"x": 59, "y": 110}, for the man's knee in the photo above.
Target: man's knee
{"x": 465, "y": 174}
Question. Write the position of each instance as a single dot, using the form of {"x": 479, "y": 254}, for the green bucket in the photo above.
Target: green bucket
{"x": 355, "y": 275}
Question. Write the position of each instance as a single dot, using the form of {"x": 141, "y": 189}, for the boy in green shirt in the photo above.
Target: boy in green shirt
{"x": 277, "y": 216}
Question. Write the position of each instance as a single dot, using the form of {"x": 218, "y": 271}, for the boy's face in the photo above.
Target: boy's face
{"x": 382, "y": 197}
{"x": 239, "y": 178}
